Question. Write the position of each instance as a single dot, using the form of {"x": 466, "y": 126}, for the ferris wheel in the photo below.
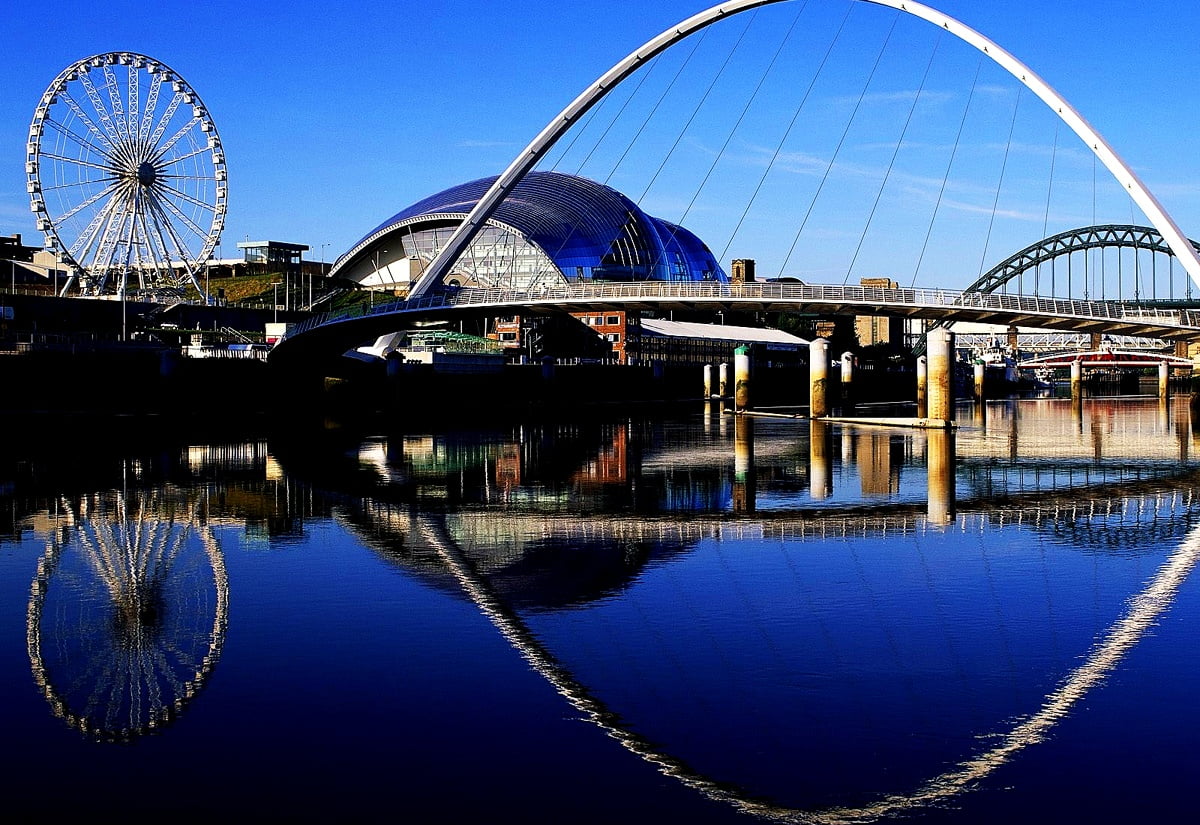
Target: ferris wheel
{"x": 126, "y": 176}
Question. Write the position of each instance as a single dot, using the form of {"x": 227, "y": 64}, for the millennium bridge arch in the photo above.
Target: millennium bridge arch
{"x": 478, "y": 217}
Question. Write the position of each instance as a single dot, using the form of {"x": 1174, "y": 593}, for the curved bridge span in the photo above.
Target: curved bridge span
{"x": 333, "y": 334}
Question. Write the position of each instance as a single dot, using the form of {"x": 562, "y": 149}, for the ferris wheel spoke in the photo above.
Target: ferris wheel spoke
{"x": 158, "y": 253}
{"x": 131, "y": 112}
{"x": 185, "y": 197}
{"x": 165, "y": 120}
{"x": 99, "y": 108}
{"x": 78, "y": 162}
{"x": 167, "y": 164}
{"x": 107, "y": 190}
{"x": 187, "y": 222}
{"x": 71, "y": 134}
{"x": 112, "y": 227}
{"x": 130, "y": 240}
{"x": 74, "y": 106}
{"x": 80, "y": 250}
{"x": 199, "y": 178}
{"x": 77, "y": 184}
{"x": 162, "y": 223}
{"x": 114, "y": 97}
{"x": 148, "y": 112}
{"x": 161, "y": 151}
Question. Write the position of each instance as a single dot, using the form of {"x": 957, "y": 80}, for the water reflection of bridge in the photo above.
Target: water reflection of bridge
{"x": 454, "y": 542}
{"x": 504, "y": 551}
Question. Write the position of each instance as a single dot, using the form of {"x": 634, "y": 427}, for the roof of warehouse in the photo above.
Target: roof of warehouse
{"x": 720, "y": 332}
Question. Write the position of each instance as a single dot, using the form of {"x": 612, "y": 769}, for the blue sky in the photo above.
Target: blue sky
{"x": 335, "y": 116}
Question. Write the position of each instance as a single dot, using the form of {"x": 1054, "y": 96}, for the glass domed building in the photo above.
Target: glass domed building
{"x": 552, "y": 230}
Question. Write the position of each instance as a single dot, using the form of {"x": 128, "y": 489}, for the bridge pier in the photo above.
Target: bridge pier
{"x": 847, "y": 378}
{"x": 922, "y": 379}
{"x": 1164, "y": 380}
{"x": 980, "y": 379}
{"x": 723, "y": 380}
{"x": 741, "y": 379}
{"x": 708, "y": 380}
{"x": 1077, "y": 380}
{"x": 818, "y": 378}
{"x": 940, "y": 392}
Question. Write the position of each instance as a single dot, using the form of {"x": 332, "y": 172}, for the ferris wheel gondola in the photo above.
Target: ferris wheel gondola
{"x": 126, "y": 176}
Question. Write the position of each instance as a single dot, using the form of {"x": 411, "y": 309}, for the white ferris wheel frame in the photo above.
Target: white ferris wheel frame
{"x": 122, "y": 150}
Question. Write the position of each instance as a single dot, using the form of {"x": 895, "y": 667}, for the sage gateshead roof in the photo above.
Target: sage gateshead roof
{"x": 552, "y": 228}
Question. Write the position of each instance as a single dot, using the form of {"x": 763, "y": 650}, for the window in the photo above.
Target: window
{"x": 612, "y": 320}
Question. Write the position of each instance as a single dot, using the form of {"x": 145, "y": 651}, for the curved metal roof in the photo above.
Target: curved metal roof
{"x": 582, "y": 225}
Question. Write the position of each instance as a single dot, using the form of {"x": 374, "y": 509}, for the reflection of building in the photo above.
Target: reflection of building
{"x": 611, "y": 464}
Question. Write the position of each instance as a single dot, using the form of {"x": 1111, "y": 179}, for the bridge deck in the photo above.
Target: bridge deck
{"x": 335, "y": 333}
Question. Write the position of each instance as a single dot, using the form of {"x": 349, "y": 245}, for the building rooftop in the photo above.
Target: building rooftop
{"x": 719, "y": 332}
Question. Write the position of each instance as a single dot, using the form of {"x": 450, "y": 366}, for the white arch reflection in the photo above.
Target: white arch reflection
{"x": 1143, "y": 611}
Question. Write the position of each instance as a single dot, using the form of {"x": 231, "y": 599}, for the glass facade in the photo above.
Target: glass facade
{"x": 552, "y": 229}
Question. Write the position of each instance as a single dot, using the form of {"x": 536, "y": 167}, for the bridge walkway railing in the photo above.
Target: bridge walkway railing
{"x": 769, "y": 291}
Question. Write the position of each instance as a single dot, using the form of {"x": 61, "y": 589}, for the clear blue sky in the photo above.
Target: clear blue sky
{"x": 336, "y": 115}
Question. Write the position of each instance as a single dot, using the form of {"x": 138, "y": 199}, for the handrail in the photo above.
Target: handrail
{"x": 868, "y": 297}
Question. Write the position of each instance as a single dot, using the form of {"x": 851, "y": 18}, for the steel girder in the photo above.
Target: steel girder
{"x": 1066, "y": 243}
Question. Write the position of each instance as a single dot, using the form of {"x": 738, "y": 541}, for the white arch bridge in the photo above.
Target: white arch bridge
{"x": 332, "y": 334}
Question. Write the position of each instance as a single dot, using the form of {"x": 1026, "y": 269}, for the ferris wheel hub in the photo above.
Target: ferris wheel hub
{"x": 146, "y": 173}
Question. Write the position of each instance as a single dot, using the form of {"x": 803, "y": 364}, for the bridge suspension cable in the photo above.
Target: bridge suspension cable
{"x": 533, "y": 153}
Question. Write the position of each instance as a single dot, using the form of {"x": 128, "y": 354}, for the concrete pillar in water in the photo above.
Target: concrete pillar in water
{"x": 820, "y": 476}
{"x": 940, "y": 392}
{"x": 708, "y": 380}
{"x": 741, "y": 379}
{"x": 1076, "y": 380}
{"x": 847, "y": 370}
{"x": 939, "y": 463}
{"x": 818, "y": 378}
{"x": 723, "y": 380}
{"x": 1164, "y": 380}
{"x": 980, "y": 379}
{"x": 743, "y": 464}
{"x": 922, "y": 379}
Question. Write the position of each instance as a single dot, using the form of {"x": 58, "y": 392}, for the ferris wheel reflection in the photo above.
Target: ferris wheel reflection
{"x": 128, "y": 612}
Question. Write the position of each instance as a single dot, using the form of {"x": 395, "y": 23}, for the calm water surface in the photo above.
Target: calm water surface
{"x": 641, "y": 619}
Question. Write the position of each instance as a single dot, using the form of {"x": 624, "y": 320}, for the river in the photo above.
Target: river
{"x": 685, "y": 617}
